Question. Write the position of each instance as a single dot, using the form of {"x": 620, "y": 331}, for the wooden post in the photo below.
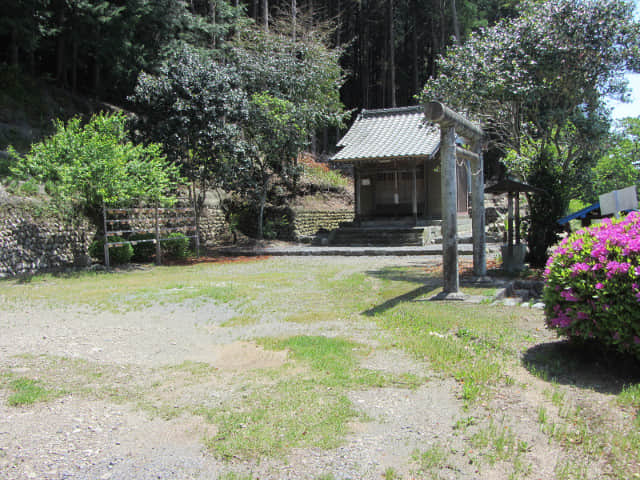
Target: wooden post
{"x": 196, "y": 220}
{"x": 449, "y": 185}
{"x": 106, "y": 236}
{"x": 357, "y": 180}
{"x": 414, "y": 196}
{"x": 477, "y": 212}
{"x": 510, "y": 224}
{"x": 158, "y": 249}
{"x": 517, "y": 208}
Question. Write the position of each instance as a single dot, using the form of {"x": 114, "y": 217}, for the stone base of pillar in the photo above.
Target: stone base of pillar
{"x": 449, "y": 297}
{"x": 482, "y": 280}
{"x": 513, "y": 261}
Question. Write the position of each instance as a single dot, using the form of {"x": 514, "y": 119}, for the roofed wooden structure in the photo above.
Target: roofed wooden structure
{"x": 395, "y": 156}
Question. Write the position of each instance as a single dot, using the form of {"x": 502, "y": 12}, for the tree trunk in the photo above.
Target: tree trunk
{"x": 456, "y": 24}
{"x": 265, "y": 15}
{"x": 97, "y": 80}
{"x": 392, "y": 55}
{"x": 61, "y": 70}
{"x": 212, "y": 14}
{"x": 414, "y": 48}
{"x": 74, "y": 65}
{"x": 263, "y": 202}
{"x": 15, "y": 54}
{"x": 364, "y": 53}
{"x": 294, "y": 18}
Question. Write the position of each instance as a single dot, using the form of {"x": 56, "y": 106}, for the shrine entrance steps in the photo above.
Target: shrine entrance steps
{"x": 392, "y": 232}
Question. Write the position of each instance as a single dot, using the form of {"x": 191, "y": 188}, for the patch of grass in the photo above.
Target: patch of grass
{"x": 464, "y": 423}
{"x": 27, "y": 391}
{"x": 630, "y": 396}
{"x": 469, "y": 342}
{"x": 271, "y": 420}
{"x": 240, "y": 321}
{"x": 431, "y": 459}
{"x": 557, "y": 397}
{"x": 333, "y": 359}
{"x": 391, "y": 474}
{"x": 570, "y": 470}
{"x": 498, "y": 442}
{"x": 542, "y": 415}
{"x": 199, "y": 369}
{"x": 307, "y": 317}
{"x": 235, "y": 476}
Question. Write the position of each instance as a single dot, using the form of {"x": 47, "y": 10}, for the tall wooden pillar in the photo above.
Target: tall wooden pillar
{"x": 449, "y": 185}
{"x": 477, "y": 212}
{"x": 510, "y": 223}
{"x": 356, "y": 180}
{"x": 414, "y": 195}
{"x": 517, "y": 209}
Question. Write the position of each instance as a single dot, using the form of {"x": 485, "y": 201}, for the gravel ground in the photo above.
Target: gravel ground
{"x": 80, "y": 437}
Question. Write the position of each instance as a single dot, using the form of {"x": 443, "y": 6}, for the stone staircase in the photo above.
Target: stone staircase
{"x": 398, "y": 233}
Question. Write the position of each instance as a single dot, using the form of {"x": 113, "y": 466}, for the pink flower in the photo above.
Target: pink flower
{"x": 577, "y": 268}
{"x": 599, "y": 286}
{"x": 569, "y": 296}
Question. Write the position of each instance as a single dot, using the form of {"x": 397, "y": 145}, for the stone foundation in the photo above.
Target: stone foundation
{"x": 308, "y": 223}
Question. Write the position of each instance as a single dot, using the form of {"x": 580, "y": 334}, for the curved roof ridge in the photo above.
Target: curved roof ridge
{"x": 376, "y": 112}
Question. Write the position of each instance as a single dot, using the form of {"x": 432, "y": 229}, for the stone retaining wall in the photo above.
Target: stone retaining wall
{"x": 214, "y": 229}
{"x": 32, "y": 240}
{"x": 308, "y": 223}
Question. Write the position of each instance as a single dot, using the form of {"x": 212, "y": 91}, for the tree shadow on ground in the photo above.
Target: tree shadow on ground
{"x": 586, "y": 366}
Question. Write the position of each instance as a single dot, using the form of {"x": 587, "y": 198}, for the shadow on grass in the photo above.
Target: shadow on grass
{"x": 428, "y": 275}
{"x": 585, "y": 366}
{"x": 428, "y": 287}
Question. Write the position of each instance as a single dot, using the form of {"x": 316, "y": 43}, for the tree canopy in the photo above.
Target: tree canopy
{"x": 86, "y": 165}
{"x": 538, "y": 82}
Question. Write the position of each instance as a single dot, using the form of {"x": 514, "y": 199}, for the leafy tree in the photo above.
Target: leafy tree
{"x": 538, "y": 82}
{"x": 304, "y": 71}
{"x": 293, "y": 83}
{"x": 85, "y": 165}
{"x": 275, "y": 135}
{"x": 194, "y": 107}
{"x": 620, "y": 166}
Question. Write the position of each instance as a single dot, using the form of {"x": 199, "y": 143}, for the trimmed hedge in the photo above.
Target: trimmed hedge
{"x": 592, "y": 285}
{"x": 145, "y": 251}
{"x": 177, "y": 246}
{"x": 117, "y": 255}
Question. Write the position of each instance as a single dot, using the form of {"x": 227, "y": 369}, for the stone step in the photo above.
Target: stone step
{"x": 407, "y": 236}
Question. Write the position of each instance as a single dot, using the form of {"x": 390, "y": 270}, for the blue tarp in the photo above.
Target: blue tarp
{"x": 580, "y": 213}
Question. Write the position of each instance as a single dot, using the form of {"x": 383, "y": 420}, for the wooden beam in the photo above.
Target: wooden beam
{"x": 441, "y": 114}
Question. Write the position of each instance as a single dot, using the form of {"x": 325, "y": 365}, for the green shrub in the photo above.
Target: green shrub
{"x": 176, "y": 247}
{"x": 117, "y": 255}
{"x": 88, "y": 164}
{"x": 592, "y": 290}
{"x": 145, "y": 251}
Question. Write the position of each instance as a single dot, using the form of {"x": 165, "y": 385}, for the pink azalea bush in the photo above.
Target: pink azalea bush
{"x": 592, "y": 285}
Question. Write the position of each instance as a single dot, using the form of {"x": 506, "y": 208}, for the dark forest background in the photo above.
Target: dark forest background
{"x": 97, "y": 48}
